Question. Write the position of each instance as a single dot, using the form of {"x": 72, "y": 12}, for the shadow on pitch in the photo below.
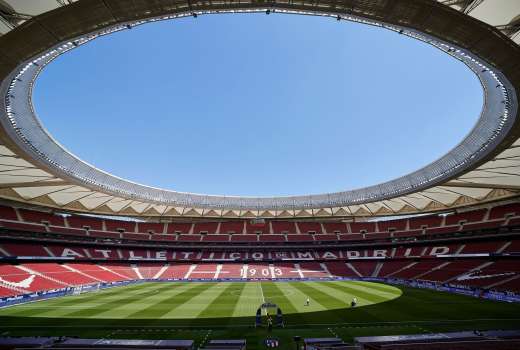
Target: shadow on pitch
{"x": 412, "y": 305}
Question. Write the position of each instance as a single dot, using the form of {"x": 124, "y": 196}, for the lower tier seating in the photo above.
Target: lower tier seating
{"x": 16, "y": 279}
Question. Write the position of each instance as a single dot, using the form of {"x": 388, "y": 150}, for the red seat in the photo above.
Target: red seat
{"x": 254, "y": 228}
{"x": 41, "y": 217}
{"x": 396, "y": 225}
{"x": 104, "y": 234}
{"x": 120, "y": 226}
{"x": 20, "y": 226}
{"x": 501, "y": 211}
{"x": 147, "y": 227}
{"x": 189, "y": 238}
{"x": 272, "y": 238}
{"x": 427, "y": 221}
{"x": 335, "y": 227}
{"x": 380, "y": 235}
{"x": 324, "y": 237}
{"x": 407, "y": 233}
{"x": 82, "y": 222}
{"x": 280, "y": 227}
{"x": 215, "y": 238}
{"x": 244, "y": 238}
{"x": 351, "y": 237}
{"x": 300, "y": 238}
{"x": 137, "y": 236}
{"x": 310, "y": 227}
{"x": 232, "y": 227}
{"x": 164, "y": 237}
{"x": 205, "y": 227}
{"x": 470, "y": 216}
{"x": 357, "y": 227}
{"x": 8, "y": 213}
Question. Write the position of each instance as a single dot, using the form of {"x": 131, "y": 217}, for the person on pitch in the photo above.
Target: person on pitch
{"x": 307, "y": 302}
{"x": 354, "y": 302}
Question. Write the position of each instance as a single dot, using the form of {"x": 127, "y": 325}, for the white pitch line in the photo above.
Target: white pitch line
{"x": 263, "y": 298}
{"x": 262, "y": 291}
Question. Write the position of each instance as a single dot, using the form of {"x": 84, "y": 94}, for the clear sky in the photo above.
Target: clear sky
{"x": 257, "y": 105}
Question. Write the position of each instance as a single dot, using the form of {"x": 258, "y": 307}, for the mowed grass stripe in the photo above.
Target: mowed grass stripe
{"x": 331, "y": 300}
{"x": 299, "y": 298}
{"x": 90, "y": 299}
{"x": 364, "y": 287}
{"x": 153, "y": 297}
{"x": 292, "y": 302}
{"x": 379, "y": 286}
{"x": 369, "y": 305}
{"x": 363, "y": 296}
{"x": 165, "y": 305}
{"x": 224, "y": 304}
{"x": 193, "y": 307}
{"x": 273, "y": 293}
{"x": 99, "y": 295}
{"x": 112, "y": 303}
{"x": 249, "y": 300}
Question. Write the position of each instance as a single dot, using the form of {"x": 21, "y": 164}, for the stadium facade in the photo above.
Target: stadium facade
{"x": 482, "y": 168}
{"x": 67, "y": 227}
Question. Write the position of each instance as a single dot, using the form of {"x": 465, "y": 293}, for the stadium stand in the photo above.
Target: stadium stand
{"x": 488, "y": 219}
{"x": 73, "y": 250}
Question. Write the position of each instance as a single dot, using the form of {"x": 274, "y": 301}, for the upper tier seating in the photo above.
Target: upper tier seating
{"x": 83, "y": 221}
{"x": 494, "y": 219}
{"x": 232, "y": 227}
{"x": 425, "y": 221}
{"x": 215, "y": 238}
{"x": 327, "y": 237}
{"x": 300, "y": 238}
{"x": 470, "y": 216}
{"x": 395, "y": 225}
{"x": 161, "y": 237}
{"x": 244, "y": 238}
{"x": 21, "y": 226}
{"x": 39, "y": 217}
{"x": 280, "y": 227}
{"x": 120, "y": 226}
{"x": 500, "y": 212}
{"x": 189, "y": 238}
{"x": 272, "y": 238}
{"x": 335, "y": 227}
{"x": 310, "y": 227}
{"x": 206, "y": 228}
{"x": 178, "y": 227}
{"x": 257, "y": 228}
{"x": 150, "y": 227}
{"x": 8, "y": 213}
{"x": 362, "y": 227}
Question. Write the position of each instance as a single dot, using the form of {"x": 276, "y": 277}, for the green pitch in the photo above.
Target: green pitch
{"x": 199, "y": 311}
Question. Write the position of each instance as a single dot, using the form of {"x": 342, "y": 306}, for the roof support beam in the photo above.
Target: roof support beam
{"x": 34, "y": 184}
{"x": 477, "y": 185}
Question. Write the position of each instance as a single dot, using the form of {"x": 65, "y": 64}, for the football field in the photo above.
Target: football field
{"x": 202, "y": 310}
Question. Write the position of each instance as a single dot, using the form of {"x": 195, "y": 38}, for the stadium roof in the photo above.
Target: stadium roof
{"x": 484, "y": 167}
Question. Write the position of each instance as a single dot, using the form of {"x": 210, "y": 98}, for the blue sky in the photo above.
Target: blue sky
{"x": 257, "y": 105}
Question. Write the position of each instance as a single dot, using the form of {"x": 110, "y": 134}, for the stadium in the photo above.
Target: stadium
{"x": 427, "y": 260}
